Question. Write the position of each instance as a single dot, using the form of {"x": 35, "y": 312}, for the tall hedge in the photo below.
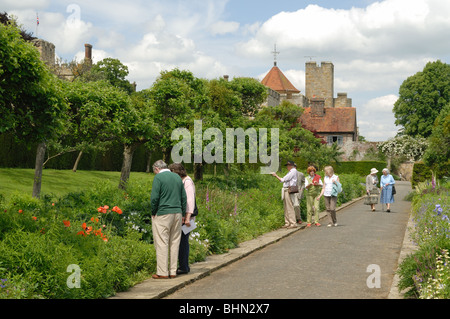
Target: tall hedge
{"x": 362, "y": 168}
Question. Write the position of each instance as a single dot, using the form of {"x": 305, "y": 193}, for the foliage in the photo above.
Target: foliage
{"x": 437, "y": 155}
{"x": 421, "y": 99}
{"x": 425, "y": 273}
{"x": 405, "y": 146}
{"x": 31, "y": 100}
{"x": 113, "y": 71}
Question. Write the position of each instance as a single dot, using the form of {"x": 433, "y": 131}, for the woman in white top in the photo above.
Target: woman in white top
{"x": 191, "y": 212}
{"x": 330, "y": 200}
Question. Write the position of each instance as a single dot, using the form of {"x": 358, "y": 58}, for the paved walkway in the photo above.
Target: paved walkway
{"x": 316, "y": 262}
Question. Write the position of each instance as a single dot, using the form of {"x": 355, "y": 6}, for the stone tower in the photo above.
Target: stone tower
{"x": 46, "y": 50}
{"x": 319, "y": 82}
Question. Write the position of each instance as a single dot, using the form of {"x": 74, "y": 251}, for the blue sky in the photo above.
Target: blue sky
{"x": 374, "y": 45}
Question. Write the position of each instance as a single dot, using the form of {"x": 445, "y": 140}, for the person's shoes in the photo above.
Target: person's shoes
{"x": 181, "y": 272}
{"x": 285, "y": 226}
{"x": 292, "y": 226}
{"x": 173, "y": 276}
{"x": 308, "y": 225}
{"x": 299, "y": 221}
{"x": 329, "y": 225}
{"x": 317, "y": 224}
{"x": 388, "y": 211}
{"x": 155, "y": 276}
{"x": 335, "y": 225}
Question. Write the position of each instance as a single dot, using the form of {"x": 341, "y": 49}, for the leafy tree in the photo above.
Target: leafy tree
{"x": 112, "y": 70}
{"x": 136, "y": 127}
{"x": 296, "y": 141}
{"x": 32, "y": 105}
{"x": 421, "y": 99}
{"x": 173, "y": 100}
{"x": 437, "y": 156}
{"x": 94, "y": 111}
{"x": 251, "y": 92}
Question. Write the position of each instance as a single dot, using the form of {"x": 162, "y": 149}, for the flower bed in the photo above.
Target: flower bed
{"x": 93, "y": 243}
{"x": 426, "y": 273}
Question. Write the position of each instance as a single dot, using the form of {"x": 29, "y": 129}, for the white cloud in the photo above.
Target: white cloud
{"x": 224, "y": 27}
{"x": 387, "y": 28}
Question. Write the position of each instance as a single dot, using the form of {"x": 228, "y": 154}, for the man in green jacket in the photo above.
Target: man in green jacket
{"x": 168, "y": 202}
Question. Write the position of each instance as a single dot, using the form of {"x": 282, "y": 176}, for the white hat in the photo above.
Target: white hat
{"x": 373, "y": 171}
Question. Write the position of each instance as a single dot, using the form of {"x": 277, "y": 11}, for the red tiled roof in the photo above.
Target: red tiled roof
{"x": 277, "y": 81}
{"x": 336, "y": 119}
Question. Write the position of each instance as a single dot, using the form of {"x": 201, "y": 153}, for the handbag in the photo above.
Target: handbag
{"x": 293, "y": 189}
{"x": 371, "y": 200}
{"x": 394, "y": 191}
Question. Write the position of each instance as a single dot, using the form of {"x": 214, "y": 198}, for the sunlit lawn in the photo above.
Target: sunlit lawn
{"x": 58, "y": 182}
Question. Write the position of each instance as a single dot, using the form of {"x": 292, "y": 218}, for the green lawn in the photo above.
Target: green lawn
{"x": 58, "y": 182}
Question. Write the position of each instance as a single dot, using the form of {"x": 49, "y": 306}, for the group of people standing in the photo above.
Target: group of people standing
{"x": 173, "y": 205}
{"x": 387, "y": 189}
{"x": 295, "y": 184}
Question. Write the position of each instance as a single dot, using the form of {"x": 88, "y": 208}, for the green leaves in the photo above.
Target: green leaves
{"x": 421, "y": 98}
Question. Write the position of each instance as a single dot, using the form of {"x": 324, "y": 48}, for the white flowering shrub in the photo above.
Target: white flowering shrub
{"x": 413, "y": 148}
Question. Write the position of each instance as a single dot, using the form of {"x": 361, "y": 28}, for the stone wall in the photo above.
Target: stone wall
{"x": 355, "y": 150}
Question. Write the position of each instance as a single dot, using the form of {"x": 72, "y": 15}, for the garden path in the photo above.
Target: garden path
{"x": 314, "y": 263}
{"x": 319, "y": 262}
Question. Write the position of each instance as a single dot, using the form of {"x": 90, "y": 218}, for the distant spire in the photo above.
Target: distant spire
{"x": 275, "y": 53}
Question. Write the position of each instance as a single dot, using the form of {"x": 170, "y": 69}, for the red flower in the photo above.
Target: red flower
{"x": 34, "y": 217}
{"x": 117, "y": 210}
{"x": 20, "y": 211}
{"x": 103, "y": 209}
{"x": 83, "y": 226}
{"x": 66, "y": 223}
{"x": 93, "y": 219}
{"x": 81, "y": 233}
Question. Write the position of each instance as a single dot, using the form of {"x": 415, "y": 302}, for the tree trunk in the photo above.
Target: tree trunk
{"x": 166, "y": 155}
{"x": 149, "y": 158}
{"x": 128, "y": 151}
{"x": 198, "y": 171}
{"x": 75, "y": 166}
{"x": 39, "y": 166}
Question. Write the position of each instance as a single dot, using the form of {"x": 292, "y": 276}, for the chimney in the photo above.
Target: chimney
{"x": 317, "y": 107}
{"x": 88, "y": 53}
{"x": 226, "y": 77}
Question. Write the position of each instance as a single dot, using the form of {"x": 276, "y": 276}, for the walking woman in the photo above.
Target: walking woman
{"x": 371, "y": 188}
{"x": 330, "y": 194}
{"x": 191, "y": 212}
{"x": 313, "y": 186}
{"x": 387, "y": 183}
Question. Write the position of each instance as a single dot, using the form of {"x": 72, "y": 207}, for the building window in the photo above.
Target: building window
{"x": 339, "y": 139}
